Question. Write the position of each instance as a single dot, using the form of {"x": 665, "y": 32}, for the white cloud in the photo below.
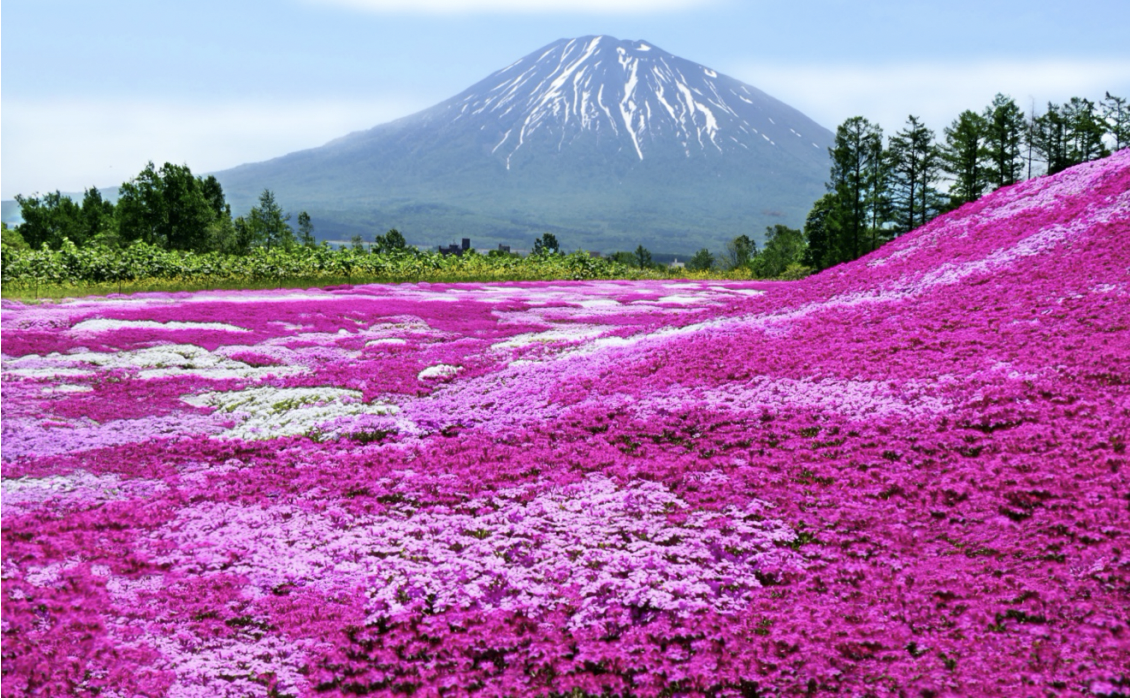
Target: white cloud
{"x": 887, "y": 94}
{"x": 602, "y": 7}
{"x": 74, "y": 144}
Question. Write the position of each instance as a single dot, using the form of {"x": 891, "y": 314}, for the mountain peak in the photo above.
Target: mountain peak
{"x": 605, "y": 142}
{"x": 630, "y": 92}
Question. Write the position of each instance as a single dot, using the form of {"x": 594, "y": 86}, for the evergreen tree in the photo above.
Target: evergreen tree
{"x": 915, "y": 168}
{"x": 701, "y": 261}
{"x": 268, "y": 223}
{"x": 817, "y": 253}
{"x": 855, "y": 178}
{"x": 963, "y": 157}
{"x": 1068, "y": 135}
{"x": 1004, "y": 136}
{"x": 643, "y": 257}
{"x": 1117, "y": 117}
{"x": 1085, "y": 131}
{"x": 1048, "y": 137}
{"x": 305, "y": 230}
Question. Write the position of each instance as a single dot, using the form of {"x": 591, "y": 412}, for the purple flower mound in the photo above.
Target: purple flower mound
{"x": 906, "y": 476}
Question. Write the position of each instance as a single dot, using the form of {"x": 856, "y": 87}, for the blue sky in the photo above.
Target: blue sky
{"x": 92, "y": 90}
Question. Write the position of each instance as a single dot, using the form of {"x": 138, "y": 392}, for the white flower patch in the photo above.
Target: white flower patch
{"x": 75, "y": 489}
{"x": 599, "y": 549}
{"x": 48, "y": 373}
{"x": 386, "y": 341}
{"x": 67, "y": 388}
{"x": 439, "y": 371}
{"x": 107, "y": 325}
{"x": 268, "y": 412}
{"x": 155, "y": 362}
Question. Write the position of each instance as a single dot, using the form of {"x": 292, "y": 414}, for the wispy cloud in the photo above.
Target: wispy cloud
{"x": 72, "y": 145}
{"x": 937, "y": 93}
{"x": 446, "y": 7}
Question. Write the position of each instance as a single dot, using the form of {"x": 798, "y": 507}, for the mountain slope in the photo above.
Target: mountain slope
{"x": 608, "y": 142}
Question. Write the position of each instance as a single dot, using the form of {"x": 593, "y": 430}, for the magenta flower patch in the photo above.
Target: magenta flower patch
{"x": 904, "y": 476}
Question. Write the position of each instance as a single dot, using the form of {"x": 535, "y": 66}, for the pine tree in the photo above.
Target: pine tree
{"x": 1117, "y": 117}
{"x": 818, "y": 252}
{"x": 856, "y": 163}
{"x": 1004, "y": 136}
{"x": 964, "y": 155}
{"x": 1085, "y": 131}
{"x": 1048, "y": 137}
{"x": 915, "y": 168}
{"x": 269, "y": 222}
{"x": 643, "y": 257}
{"x": 305, "y": 230}
{"x": 702, "y": 260}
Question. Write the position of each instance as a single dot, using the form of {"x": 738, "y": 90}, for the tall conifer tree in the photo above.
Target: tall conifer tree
{"x": 964, "y": 155}
{"x": 1004, "y": 136}
{"x": 1117, "y": 117}
{"x": 856, "y": 162}
{"x": 915, "y": 168}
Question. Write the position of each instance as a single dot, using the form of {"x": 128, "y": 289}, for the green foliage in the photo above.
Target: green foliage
{"x": 916, "y": 168}
{"x": 876, "y": 193}
{"x": 739, "y": 252}
{"x": 1003, "y": 136}
{"x": 392, "y": 241}
{"x": 50, "y": 219}
{"x": 11, "y": 239}
{"x": 963, "y": 156}
{"x": 305, "y": 230}
{"x": 547, "y": 244}
{"x": 168, "y": 208}
{"x": 643, "y": 257}
{"x": 702, "y": 260}
{"x": 145, "y": 266}
{"x": 859, "y": 173}
{"x": 784, "y": 248}
{"x": 1117, "y": 117}
{"x": 794, "y": 272}
{"x": 268, "y": 226}
{"x": 626, "y": 259}
{"x": 817, "y": 252}
{"x": 1067, "y": 135}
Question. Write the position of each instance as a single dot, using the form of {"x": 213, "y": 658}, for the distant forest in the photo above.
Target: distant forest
{"x": 878, "y": 189}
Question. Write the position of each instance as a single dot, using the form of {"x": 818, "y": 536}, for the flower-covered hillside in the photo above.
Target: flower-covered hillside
{"x": 905, "y": 476}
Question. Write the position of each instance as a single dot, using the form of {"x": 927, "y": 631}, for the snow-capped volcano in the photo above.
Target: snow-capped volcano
{"x": 629, "y": 91}
{"x": 607, "y": 143}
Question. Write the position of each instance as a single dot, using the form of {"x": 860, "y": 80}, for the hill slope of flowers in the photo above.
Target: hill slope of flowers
{"x": 905, "y": 476}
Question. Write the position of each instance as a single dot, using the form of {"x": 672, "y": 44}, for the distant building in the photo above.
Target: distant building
{"x": 456, "y": 249}
{"x": 504, "y": 248}
{"x": 677, "y": 264}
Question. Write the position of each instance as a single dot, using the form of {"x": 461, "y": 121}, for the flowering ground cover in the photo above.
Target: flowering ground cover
{"x": 905, "y": 476}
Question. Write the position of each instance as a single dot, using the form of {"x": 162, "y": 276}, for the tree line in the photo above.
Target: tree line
{"x": 167, "y": 208}
{"x": 879, "y": 189}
